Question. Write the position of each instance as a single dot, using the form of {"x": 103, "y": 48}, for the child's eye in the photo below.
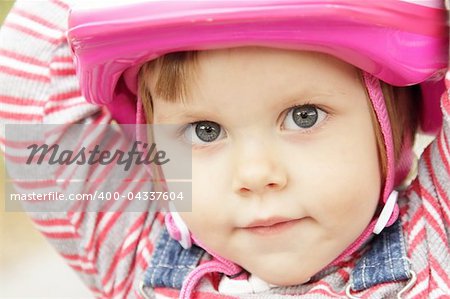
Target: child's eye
{"x": 203, "y": 132}
{"x": 303, "y": 117}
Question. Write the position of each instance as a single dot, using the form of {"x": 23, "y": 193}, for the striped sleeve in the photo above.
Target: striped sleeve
{"x": 109, "y": 249}
{"x": 426, "y": 215}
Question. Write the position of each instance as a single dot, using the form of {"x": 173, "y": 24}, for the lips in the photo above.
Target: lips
{"x": 272, "y": 225}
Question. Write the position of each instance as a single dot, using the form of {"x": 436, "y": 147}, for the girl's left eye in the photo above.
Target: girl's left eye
{"x": 303, "y": 117}
{"x": 203, "y": 132}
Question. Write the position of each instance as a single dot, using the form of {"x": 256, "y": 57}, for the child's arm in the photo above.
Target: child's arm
{"x": 426, "y": 213}
{"x": 38, "y": 85}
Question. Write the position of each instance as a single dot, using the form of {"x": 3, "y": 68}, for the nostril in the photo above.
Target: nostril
{"x": 244, "y": 190}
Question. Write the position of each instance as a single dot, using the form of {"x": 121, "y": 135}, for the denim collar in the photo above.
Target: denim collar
{"x": 384, "y": 262}
{"x": 171, "y": 263}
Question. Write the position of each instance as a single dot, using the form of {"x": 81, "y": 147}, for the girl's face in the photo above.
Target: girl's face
{"x": 285, "y": 164}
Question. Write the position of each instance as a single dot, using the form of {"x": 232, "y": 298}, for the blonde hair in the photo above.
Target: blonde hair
{"x": 173, "y": 72}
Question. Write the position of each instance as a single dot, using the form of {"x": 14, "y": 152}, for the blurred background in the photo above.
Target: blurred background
{"x": 29, "y": 266}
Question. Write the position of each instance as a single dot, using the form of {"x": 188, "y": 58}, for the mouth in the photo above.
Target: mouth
{"x": 271, "y": 226}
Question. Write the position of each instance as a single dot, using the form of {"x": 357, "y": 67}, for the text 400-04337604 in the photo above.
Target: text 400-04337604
{"x": 144, "y": 195}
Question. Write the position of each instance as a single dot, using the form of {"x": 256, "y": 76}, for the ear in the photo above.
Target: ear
{"x": 177, "y": 229}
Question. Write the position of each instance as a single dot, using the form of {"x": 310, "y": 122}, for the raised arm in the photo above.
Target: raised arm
{"x": 426, "y": 213}
{"x": 38, "y": 85}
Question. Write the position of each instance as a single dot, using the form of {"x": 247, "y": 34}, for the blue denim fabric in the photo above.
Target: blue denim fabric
{"x": 385, "y": 261}
{"x": 171, "y": 263}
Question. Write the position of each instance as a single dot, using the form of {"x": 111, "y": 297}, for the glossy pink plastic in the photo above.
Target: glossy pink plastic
{"x": 399, "y": 42}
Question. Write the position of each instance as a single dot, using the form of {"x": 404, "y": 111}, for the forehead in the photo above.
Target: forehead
{"x": 266, "y": 75}
{"x": 245, "y": 60}
{"x": 249, "y": 58}
{"x": 247, "y": 71}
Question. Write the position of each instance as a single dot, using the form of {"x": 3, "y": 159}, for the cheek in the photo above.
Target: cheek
{"x": 341, "y": 177}
{"x": 208, "y": 182}
{"x": 208, "y": 211}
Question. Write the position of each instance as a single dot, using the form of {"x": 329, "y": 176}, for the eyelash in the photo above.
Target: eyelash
{"x": 283, "y": 116}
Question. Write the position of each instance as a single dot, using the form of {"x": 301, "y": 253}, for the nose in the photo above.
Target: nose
{"x": 258, "y": 169}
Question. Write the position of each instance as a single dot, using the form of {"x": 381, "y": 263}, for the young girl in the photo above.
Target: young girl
{"x": 297, "y": 147}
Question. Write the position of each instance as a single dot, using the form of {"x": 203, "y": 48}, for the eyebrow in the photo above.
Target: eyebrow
{"x": 185, "y": 114}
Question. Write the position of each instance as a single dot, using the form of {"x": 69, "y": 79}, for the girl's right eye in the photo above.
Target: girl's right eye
{"x": 203, "y": 132}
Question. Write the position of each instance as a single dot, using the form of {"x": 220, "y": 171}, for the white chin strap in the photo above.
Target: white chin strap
{"x": 386, "y": 213}
{"x": 185, "y": 238}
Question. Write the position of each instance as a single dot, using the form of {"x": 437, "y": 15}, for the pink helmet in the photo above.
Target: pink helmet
{"x": 400, "y": 42}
